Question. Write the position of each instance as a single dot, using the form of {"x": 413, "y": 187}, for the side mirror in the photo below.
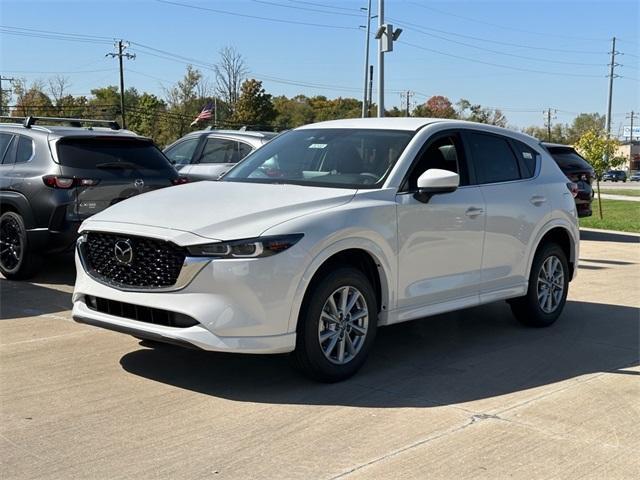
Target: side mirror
{"x": 436, "y": 181}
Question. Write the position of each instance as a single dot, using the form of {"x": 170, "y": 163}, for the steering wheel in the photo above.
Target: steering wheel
{"x": 370, "y": 175}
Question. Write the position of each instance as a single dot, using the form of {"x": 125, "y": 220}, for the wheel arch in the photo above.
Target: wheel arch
{"x": 561, "y": 234}
{"x": 18, "y": 203}
{"x": 362, "y": 254}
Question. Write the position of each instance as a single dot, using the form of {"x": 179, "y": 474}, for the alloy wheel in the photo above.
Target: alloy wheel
{"x": 343, "y": 325}
{"x": 10, "y": 243}
{"x": 550, "y": 284}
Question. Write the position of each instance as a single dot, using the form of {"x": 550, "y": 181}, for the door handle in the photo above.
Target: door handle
{"x": 473, "y": 212}
{"x": 537, "y": 200}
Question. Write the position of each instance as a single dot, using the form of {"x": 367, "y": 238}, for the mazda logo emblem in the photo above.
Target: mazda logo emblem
{"x": 123, "y": 251}
{"x": 138, "y": 183}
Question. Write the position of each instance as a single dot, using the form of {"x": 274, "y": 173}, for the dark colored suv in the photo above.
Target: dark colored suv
{"x": 53, "y": 177}
{"x": 578, "y": 170}
{"x": 614, "y": 176}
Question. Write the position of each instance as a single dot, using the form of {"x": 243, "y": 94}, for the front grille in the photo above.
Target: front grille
{"x": 140, "y": 313}
{"x": 138, "y": 262}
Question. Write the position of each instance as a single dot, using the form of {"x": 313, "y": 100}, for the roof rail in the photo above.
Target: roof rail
{"x": 28, "y": 122}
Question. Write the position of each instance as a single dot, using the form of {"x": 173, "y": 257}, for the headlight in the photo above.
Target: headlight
{"x": 248, "y": 248}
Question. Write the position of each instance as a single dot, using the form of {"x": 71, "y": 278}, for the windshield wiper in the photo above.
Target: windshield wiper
{"x": 123, "y": 165}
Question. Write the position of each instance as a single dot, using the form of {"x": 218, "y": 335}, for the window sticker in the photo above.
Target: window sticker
{"x": 318, "y": 145}
{"x": 527, "y": 155}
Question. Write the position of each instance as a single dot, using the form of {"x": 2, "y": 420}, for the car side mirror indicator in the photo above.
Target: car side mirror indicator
{"x": 436, "y": 181}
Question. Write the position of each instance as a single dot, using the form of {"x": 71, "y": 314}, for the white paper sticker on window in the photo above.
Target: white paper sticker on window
{"x": 527, "y": 155}
{"x": 318, "y": 145}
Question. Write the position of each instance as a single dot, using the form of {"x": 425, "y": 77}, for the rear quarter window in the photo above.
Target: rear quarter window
{"x": 24, "y": 151}
{"x": 100, "y": 152}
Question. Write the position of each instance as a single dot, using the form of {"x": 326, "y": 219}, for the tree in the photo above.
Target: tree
{"x": 184, "y": 103}
{"x": 584, "y": 123}
{"x": 230, "y": 72}
{"x": 599, "y": 151}
{"x": 480, "y": 114}
{"x": 436, "y": 107}
{"x": 559, "y": 133}
{"x": 147, "y": 118}
{"x": 58, "y": 86}
{"x": 32, "y": 100}
{"x": 254, "y": 106}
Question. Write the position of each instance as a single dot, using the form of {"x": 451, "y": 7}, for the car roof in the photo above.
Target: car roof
{"x": 240, "y": 133}
{"x": 414, "y": 124}
{"x": 56, "y": 131}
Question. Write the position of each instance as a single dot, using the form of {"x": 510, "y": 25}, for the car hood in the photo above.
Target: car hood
{"x": 216, "y": 210}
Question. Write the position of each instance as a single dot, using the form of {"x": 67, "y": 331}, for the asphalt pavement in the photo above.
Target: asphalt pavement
{"x": 470, "y": 394}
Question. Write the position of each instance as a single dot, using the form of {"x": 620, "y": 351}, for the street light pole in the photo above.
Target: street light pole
{"x": 380, "y": 59}
{"x": 365, "y": 109}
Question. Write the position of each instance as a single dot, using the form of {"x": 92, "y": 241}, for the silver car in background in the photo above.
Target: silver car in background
{"x": 208, "y": 154}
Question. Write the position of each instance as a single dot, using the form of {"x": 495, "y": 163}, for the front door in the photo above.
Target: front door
{"x": 440, "y": 242}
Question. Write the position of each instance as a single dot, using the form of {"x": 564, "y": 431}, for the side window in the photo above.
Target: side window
{"x": 5, "y": 142}
{"x": 24, "y": 150}
{"x": 244, "y": 149}
{"x": 181, "y": 153}
{"x": 527, "y": 157}
{"x": 493, "y": 158}
{"x": 446, "y": 153}
{"x": 220, "y": 150}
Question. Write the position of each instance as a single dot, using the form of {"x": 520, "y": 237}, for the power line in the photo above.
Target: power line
{"x": 497, "y": 52}
{"x": 543, "y": 72}
{"x": 317, "y": 10}
{"x": 325, "y": 6}
{"x": 256, "y": 17}
{"x": 509, "y": 44}
{"x": 545, "y": 34}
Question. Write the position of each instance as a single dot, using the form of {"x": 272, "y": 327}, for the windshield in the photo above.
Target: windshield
{"x": 346, "y": 157}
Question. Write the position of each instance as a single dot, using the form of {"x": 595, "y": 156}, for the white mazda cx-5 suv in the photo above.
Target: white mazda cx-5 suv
{"x": 331, "y": 230}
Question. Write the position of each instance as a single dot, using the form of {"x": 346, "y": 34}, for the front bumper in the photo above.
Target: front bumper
{"x": 241, "y": 305}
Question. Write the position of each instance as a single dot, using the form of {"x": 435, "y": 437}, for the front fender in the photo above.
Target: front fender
{"x": 383, "y": 256}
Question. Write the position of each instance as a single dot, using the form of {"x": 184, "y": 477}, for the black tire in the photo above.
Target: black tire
{"x": 309, "y": 356}
{"x": 17, "y": 261}
{"x": 528, "y": 309}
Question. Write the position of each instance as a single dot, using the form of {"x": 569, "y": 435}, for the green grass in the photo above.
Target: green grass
{"x": 618, "y": 215}
{"x": 620, "y": 191}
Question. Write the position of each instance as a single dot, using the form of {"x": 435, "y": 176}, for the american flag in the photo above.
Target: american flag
{"x": 205, "y": 114}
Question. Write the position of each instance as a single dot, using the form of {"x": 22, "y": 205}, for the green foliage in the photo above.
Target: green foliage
{"x": 254, "y": 106}
{"x": 599, "y": 151}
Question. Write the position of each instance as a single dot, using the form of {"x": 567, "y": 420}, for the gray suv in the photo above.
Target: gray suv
{"x": 54, "y": 177}
{"x": 208, "y": 154}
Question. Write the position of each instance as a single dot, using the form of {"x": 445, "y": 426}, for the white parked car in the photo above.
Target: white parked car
{"x": 331, "y": 230}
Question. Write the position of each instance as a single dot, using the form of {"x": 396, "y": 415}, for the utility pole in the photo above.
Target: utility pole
{"x": 611, "y": 76}
{"x": 550, "y": 115}
{"x": 365, "y": 109}
{"x": 120, "y": 54}
{"x": 632, "y": 115}
{"x": 370, "y": 90}
{"x": 8, "y": 79}
{"x": 406, "y": 96}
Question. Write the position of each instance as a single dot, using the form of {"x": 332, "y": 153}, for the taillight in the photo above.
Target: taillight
{"x": 180, "y": 180}
{"x": 55, "y": 181}
{"x": 573, "y": 188}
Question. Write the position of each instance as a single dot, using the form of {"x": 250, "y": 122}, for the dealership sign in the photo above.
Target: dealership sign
{"x": 627, "y": 131}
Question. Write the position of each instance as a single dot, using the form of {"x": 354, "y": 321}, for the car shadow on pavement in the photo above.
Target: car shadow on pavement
{"x": 606, "y": 236}
{"x": 48, "y": 292}
{"x": 448, "y": 359}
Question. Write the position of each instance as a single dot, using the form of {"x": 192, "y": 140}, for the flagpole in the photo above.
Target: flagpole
{"x": 215, "y": 112}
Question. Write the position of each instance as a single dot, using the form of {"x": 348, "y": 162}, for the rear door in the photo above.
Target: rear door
{"x": 217, "y": 157}
{"x": 111, "y": 169}
{"x": 516, "y": 204}
{"x": 7, "y": 159}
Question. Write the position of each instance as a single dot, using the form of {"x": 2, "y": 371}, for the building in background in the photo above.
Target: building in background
{"x": 630, "y": 151}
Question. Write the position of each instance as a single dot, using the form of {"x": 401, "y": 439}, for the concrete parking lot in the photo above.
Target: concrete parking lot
{"x": 466, "y": 395}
